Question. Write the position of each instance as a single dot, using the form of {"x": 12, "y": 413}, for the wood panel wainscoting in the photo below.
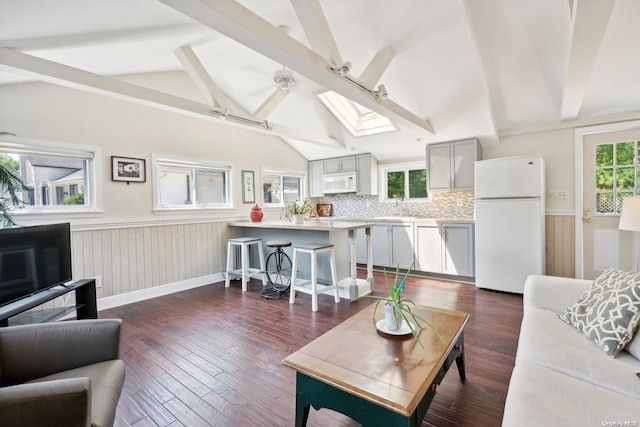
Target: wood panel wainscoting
{"x": 212, "y": 355}
{"x": 560, "y": 243}
{"x": 141, "y": 257}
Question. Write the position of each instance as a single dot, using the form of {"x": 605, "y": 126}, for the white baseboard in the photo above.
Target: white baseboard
{"x": 156, "y": 291}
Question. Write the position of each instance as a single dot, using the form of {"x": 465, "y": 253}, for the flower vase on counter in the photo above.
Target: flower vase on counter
{"x": 298, "y": 218}
{"x": 256, "y": 214}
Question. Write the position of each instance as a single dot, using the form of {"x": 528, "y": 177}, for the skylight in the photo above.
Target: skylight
{"x": 358, "y": 120}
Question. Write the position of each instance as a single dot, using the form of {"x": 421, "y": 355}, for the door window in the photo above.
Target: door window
{"x": 616, "y": 175}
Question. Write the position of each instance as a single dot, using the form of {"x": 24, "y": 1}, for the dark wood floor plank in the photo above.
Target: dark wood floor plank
{"x": 212, "y": 355}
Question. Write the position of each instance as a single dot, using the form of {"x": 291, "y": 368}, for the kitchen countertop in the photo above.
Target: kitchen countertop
{"x": 313, "y": 225}
{"x": 399, "y": 219}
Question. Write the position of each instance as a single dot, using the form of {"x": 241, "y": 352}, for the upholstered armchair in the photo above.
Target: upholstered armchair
{"x": 60, "y": 374}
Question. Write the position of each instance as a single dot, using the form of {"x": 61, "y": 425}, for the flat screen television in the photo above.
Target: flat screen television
{"x": 33, "y": 259}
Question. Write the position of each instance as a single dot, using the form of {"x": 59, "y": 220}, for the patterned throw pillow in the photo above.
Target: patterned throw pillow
{"x": 609, "y": 311}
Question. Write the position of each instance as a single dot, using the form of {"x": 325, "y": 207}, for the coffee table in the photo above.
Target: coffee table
{"x": 375, "y": 378}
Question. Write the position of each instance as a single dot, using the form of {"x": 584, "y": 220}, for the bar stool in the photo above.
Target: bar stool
{"x": 277, "y": 270}
{"x": 312, "y": 286}
{"x": 244, "y": 271}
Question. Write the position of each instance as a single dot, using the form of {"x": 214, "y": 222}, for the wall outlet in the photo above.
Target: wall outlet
{"x": 98, "y": 280}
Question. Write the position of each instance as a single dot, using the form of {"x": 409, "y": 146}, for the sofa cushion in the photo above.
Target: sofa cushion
{"x": 539, "y": 396}
{"x": 609, "y": 311}
{"x": 107, "y": 380}
{"x": 633, "y": 347}
{"x": 547, "y": 341}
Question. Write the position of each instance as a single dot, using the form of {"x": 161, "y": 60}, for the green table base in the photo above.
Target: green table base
{"x": 313, "y": 392}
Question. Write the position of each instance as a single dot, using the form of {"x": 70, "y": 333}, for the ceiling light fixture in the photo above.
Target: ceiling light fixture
{"x": 381, "y": 93}
{"x": 343, "y": 72}
{"x": 224, "y": 115}
{"x": 284, "y": 79}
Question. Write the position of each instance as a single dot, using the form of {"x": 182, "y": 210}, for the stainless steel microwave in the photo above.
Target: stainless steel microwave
{"x": 339, "y": 183}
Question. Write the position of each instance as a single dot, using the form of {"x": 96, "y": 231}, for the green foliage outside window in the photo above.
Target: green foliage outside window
{"x": 417, "y": 184}
{"x": 76, "y": 199}
{"x": 616, "y": 175}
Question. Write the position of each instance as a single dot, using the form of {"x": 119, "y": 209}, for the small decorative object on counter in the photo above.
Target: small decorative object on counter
{"x": 256, "y": 214}
{"x": 299, "y": 210}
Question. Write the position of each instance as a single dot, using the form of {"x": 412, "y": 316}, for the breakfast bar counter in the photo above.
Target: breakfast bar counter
{"x": 341, "y": 234}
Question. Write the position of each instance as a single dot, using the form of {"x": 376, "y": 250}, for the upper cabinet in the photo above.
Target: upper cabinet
{"x": 364, "y": 165}
{"x": 316, "y": 170}
{"x": 340, "y": 164}
{"x": 367, "y": 178}
{"x": 450, "y": 165}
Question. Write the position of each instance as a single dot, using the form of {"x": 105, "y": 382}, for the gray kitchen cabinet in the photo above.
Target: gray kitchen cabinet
{"x": 445, "y": 248}
{"x": 367, "y": 168}
{"x": 316, "y": 170}
{"x": 450, "y": 165}
{"x": 459, "y": 245}
{"x": 340, "y": 164}
{"x": 392, "y": 245}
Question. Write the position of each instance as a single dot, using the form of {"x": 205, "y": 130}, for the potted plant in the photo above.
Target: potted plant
{"x": 398, "y": 310}
{"x": 10, "y": 186}
{"x": 299, "y": 210}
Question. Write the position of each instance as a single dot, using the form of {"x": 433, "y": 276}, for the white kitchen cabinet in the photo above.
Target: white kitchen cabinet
{"x": 367, "y": 168}
{"x": 429, "y": 247}
{"x": 316, "y": 170}
{"x": 340, "y": 164}
{"x": 381, "y": 244}
{"x": 445, "y": 248}
{"x": 450, "y": 165}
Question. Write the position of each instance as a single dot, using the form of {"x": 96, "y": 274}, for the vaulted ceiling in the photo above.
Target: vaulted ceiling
{"x": 452, "y": 69}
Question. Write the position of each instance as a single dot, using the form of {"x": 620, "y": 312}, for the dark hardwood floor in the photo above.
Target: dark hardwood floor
{"x": 211, "y": 356}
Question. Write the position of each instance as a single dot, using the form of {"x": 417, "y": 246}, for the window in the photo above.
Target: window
{"x": 59, "y": 177}
{"x": 616, "y": 175}
{"x": 281, "y": 187}
{"x": 406, "y": 181}
{"x": 358, "y": 120}
{"x": 190, "y": 184}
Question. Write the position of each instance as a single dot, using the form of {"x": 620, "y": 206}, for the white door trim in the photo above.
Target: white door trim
{"x": 579, "y": 143}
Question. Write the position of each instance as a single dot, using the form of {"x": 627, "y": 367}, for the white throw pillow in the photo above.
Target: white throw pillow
{"x": 609, "y": 311}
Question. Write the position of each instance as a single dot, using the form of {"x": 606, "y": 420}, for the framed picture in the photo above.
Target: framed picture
{"x": 248, "y": 187}
{"x": 128, "y": 169}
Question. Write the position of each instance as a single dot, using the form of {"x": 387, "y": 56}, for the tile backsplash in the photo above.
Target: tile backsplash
{"x": 458, "y": 205}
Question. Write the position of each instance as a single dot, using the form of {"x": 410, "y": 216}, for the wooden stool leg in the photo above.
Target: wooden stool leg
{"x": 292, "y": 286}
{"x": 334, "y": 281}
{"x": 228, "y": 275}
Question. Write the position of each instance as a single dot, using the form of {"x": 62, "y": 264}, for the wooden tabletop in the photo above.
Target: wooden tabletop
{"x": 390, "y": 371}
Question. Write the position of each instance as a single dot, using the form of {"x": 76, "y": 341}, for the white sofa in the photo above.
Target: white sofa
{"x": 561, "y": 378}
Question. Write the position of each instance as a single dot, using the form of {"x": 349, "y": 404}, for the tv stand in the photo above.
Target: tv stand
{"x": 86, "y": 306}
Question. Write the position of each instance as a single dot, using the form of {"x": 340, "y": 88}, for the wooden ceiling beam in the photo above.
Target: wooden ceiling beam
{"x": 589, "y": 22}
{"x": 63, "y": 75}
{"x": 316, "y": 28}
{"x": 377, "y": 66}
{"x": 240, "y": 24}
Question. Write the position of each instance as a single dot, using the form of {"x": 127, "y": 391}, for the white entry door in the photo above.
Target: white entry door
{"x": 610, "y": 173}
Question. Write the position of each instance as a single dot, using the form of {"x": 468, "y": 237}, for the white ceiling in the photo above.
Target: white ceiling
{"x": 467, "y": 68}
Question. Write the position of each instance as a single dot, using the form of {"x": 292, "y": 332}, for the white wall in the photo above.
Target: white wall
{"x": 48, "y": 112}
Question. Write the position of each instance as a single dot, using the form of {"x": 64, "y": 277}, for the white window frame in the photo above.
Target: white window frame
{"x": 282, "y": 173}
{"x": 187, "y": 162}
{"x": 93, "y": 186}
{"x": 400, "y": 167}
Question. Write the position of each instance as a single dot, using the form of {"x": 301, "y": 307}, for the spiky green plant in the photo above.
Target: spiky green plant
{"x": 401, "y": 305}
{"x": 10, "y": 186}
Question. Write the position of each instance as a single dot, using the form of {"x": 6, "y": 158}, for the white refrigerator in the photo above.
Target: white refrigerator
{"x": 509, "y": 221}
